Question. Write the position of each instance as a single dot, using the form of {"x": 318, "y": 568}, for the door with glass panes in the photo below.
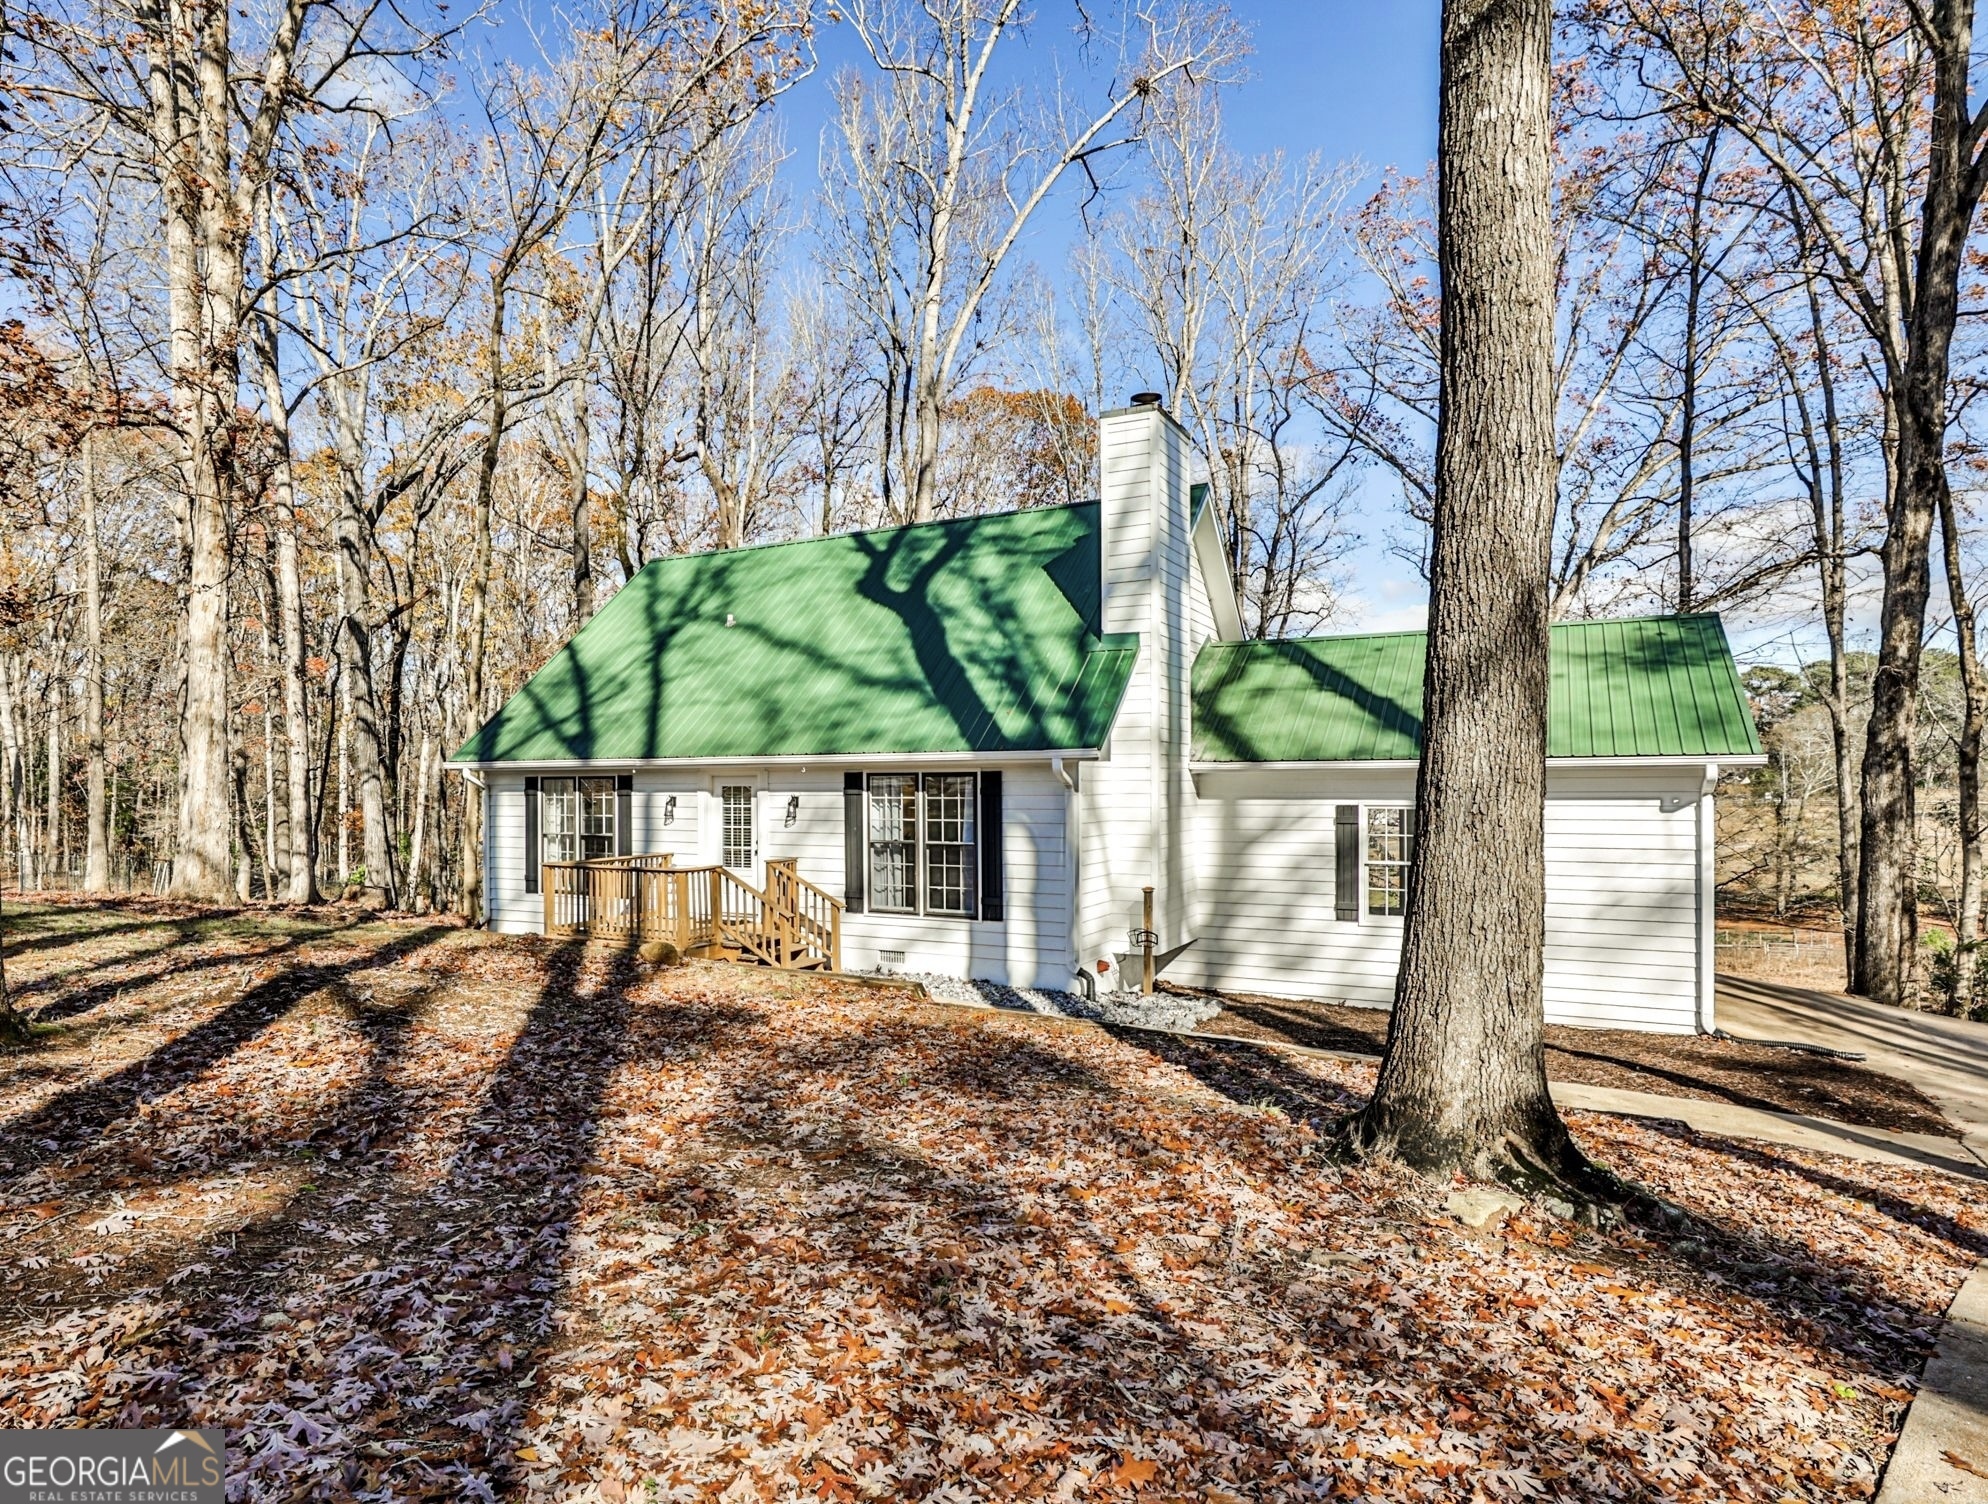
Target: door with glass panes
{"x": 738, "y": 826}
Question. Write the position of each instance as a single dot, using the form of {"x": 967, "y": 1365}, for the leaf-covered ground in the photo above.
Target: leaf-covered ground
{"x": 420, "y": 1213}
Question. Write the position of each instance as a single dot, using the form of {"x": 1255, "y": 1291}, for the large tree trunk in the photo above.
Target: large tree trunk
{"x": 51, "y": 835}
{"x": 1463, "y": 1083}
{"x": 344, "y": 776}
{"x": 1830, "y": 519}
{"x": 300, "y": 878}
{"x": 1886, "y": 959}
{"x": 96, "y": 861}
{"x": 13, "y": 1028}
{"x": 420, "y": 885}
{"x": 355, "y": 650}
{"x": 1974, "y": 698}
{"x": 13, "y": 777}
{"x": 203, "y": 282}
{"x": 479, "y": 593}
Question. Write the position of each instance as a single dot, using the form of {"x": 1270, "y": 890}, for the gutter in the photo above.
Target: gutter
{"x": 1410, "y": 764}
{"x": 807, "y": 760}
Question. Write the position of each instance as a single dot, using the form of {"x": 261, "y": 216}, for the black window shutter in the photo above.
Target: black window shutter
{"x": 624, "y": 814}
{"x": 1346, "y": 868}
{"x": 531, "y": 835}
{"x": 992, "y": 899}
{"x": 853, "y": 864}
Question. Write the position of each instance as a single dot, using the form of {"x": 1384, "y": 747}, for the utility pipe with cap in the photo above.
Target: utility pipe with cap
{"x": 1146, "y": 940}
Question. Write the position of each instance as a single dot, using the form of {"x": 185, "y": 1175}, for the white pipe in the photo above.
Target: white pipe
{"x": 1062, "y": 773}
{"x": 1708, "y": 902}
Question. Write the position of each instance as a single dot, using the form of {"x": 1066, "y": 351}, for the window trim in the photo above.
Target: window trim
{"x": 545, "y": 793}
{"x": 921, "y": 843}
{"x": 1367, "y": 861}
{"x": 718, "y": 786}
{"x": 871, "y": 885}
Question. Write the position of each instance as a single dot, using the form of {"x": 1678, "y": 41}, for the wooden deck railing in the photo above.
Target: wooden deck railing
{"x": 709, "y": 911}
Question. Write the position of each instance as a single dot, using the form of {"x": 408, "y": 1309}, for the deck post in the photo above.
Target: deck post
{"x": 545, "y": 887}
{"x": 680, "y": 896}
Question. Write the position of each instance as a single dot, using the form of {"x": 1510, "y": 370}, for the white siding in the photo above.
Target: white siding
{"x": 1136, "y": 801}
{"x": 657, "y": 827}
{"x": 511, "y": 909}
{"x": 1622, "y": 913}
{"x": 1028, "y": 948}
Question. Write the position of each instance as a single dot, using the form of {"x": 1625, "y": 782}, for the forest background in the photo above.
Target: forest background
{"x": 355, "y": 355}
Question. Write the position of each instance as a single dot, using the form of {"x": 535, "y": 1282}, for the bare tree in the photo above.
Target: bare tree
{"x": 1866, "y": 118}
{"x": 1658, "y": 393}
{"x": 171, "y": 90}
{"x": 360, "y": 243}
{"x": 834, "y": 406}
{"x": 972, "y": 171}
{"x": 1231, "y": 268}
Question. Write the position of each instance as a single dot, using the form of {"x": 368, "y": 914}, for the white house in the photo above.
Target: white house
{"x": 986, "y": 736}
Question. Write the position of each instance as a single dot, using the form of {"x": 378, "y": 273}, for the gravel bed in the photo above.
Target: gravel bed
{"x": 1161, "y": 1011}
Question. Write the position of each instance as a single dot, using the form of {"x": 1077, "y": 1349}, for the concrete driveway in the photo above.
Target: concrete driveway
{"x": 1946, "y": 1058}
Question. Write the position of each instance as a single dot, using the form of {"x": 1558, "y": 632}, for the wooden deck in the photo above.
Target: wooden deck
{"x": 703, "y": 911}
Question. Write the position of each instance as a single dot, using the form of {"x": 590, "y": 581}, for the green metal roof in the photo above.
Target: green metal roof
{"x": 976, "y": 635}
{"x": 1661, "y": 686}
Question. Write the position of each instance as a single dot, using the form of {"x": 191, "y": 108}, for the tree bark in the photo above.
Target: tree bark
{"x": 194, "y": 127}
{"x": 300, "y": 879}
{"x": 96, "y": 861}
{"x": 478, "y": 586}
{"x": 355, "y": 647}
{"x": 1831, "y": 518}
{"x": 1687, "y": 456}
{"x": 1887, "y": 959}
{"x": 14, "y": 774}
{"x": 1974, "y": 710}
{"x": 419, "y": 884}
{"x": 1463, "y": 1083}
{"x": 13, "y": 1028}
{"x": 51, "y": 835}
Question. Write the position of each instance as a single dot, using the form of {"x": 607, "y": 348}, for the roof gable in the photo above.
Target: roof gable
{"x": 1651, "y": 687}
{"x": 973, "y": 635}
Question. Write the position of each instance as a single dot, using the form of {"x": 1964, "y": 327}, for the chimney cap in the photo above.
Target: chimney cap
{"x": 1145, "y": 399}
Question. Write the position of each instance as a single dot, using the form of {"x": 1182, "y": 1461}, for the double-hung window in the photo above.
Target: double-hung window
{"x": 1390, "y": 848}
{"x": 924, "y": 855}
{"x": 578, "y": 818}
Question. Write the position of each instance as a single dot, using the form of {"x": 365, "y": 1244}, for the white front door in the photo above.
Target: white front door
{"x": 738, "y": 826}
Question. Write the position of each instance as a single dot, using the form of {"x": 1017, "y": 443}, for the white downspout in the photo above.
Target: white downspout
{"x": 1073, "y": 844}
{"x": 1708, "y": 884}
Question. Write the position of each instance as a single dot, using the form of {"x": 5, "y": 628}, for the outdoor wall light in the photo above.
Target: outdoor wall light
{"x": 669, "y": 810}
{"x": 793, "y": 808}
